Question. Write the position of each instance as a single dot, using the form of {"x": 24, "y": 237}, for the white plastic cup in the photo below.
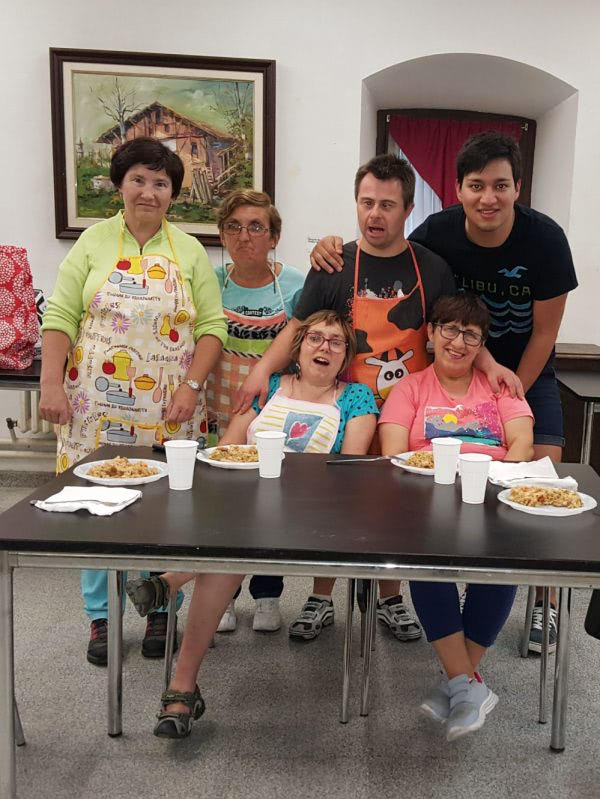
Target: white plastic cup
{"x": 270, "y": 452}
{"x": 445, "y": 458}
{"x": 181, "y": 459}
{"x": 474, "y": 470}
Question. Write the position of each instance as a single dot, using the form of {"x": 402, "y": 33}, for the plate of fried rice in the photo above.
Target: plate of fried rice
{"x": 420, "y": 462}
{"x": 546, "y": 500}
{"x": 122, "y": 471}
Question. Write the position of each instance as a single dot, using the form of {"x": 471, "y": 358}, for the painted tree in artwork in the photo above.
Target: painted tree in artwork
{"x": 234, "y": 101}
{"x": 119, "y": 104}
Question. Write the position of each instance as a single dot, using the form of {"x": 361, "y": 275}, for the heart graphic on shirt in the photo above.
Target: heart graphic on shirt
{"x": 298, "y": 429}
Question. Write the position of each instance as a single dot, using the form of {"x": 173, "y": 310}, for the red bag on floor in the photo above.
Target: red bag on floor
{"x": 19, "y": 327}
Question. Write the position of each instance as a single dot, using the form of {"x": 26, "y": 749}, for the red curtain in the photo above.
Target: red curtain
{"x": 431, "y": 145}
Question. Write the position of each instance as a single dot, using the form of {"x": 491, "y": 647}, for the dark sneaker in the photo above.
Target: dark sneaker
{"x": 396, "y": 617}
{"x": 97, "y": 651}
{"x": 537, "y": 628}
{"x": 153, "y": 645}
{"x": 314, "y": 616}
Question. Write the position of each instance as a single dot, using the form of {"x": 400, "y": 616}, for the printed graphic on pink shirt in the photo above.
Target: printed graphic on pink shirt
{"x": 478, "y": 424}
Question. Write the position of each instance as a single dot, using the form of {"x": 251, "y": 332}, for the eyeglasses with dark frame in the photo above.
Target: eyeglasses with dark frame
{"x": 315, "y": 340}
{"x": 254, "y": 228}
{"x": 450, "y": 332}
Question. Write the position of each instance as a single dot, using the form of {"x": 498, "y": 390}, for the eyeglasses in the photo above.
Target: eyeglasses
{"x": 450, "y": 332}
{"x": 315, "y": 340}
{"x": 254, "y": 228}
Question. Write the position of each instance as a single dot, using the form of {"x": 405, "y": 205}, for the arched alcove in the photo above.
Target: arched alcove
{"x": 486, "y": 83}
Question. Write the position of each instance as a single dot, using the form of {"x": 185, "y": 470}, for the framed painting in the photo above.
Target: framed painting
{"x": 218, "y": 114}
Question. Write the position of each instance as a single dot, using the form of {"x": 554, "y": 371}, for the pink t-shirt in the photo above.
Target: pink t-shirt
{"x": 420, "y": 403}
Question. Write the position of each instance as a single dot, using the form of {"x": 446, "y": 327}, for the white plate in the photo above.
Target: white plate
{"x": 399, "y": 460}
{"x": 589, "y": 503}
{"x": 83, "y": 468}
{"x": 204, "y": 456}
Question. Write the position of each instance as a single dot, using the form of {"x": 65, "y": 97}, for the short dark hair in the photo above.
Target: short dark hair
{"x": 150, "y": 153}
{"x": 258, "y": 199}
{"x": 389, "y": 167}
{"x": 330, "y": 318}
{"x": 464, "y": 308}
{"x": 477, "y": 152}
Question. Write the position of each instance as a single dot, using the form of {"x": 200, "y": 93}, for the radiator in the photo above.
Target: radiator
{"x": 30, "y": 420}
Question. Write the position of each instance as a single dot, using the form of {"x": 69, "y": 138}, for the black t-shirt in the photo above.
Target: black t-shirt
{"x": 378, "y": 278}
{"x": 534, "y": 263}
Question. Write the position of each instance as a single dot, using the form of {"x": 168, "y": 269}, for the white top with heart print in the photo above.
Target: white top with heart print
{"x": 309, "y": 426}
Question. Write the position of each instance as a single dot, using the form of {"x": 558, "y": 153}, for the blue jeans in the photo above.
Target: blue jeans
{"x": 264, "y": 586}
{"x": 485, "y": 612}
{"x": 94, "y": 589}
{"x": 544, "y": 400}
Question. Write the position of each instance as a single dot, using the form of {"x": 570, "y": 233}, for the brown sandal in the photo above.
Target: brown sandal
{"x": 178, "y": 725}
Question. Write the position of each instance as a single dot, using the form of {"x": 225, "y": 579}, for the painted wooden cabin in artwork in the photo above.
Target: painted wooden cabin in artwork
{"x": 205, "y": 151}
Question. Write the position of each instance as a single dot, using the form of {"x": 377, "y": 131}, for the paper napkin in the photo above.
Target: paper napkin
{"x": 98, "y": 500}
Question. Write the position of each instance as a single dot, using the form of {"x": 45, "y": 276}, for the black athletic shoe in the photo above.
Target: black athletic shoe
{"x": 97, "y": 651}
{"x": 153, "y": 645}
{"x": 537, "y": 628}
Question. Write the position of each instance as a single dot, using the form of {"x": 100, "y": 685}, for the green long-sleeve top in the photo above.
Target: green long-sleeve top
{"x": 91, "y": 260}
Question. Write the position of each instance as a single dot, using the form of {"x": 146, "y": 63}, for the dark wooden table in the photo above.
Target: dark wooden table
{"x": 368, "y": 520}
{"x": 584, "y": 386}
{"x": 21, "y": 379}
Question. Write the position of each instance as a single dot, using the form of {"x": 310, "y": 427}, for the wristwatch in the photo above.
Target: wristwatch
{"x": 193, "y": 384}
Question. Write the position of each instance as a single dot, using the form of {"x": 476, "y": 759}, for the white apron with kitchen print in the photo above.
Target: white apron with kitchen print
{"x": 135, "y": 345}
{"x": 309, "y": 426}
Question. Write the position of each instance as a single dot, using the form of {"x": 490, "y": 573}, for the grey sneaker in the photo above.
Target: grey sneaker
{"x": 267, "y": 616}
{"x": 316, "y": 614}
{"x": 436, "y": 704}
{"x": 394, "y": 614}
{"x": 537, "y": 628}
{"x": 228, "y": 621}
{"x": 470, "y": 702}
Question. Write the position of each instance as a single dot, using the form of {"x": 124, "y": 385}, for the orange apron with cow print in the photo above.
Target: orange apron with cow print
{"x": 394, "y": 352}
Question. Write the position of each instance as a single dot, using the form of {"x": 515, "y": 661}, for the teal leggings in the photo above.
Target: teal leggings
{"x": 94, "y": 589}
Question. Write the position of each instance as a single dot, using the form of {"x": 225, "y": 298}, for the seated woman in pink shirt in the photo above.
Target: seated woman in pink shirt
{"x": 452, "y": 398}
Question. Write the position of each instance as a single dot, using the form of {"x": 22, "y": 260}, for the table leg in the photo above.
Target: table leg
{"x": 115, "y": 653}
{"x": 586, "y": 438}
{"x": 561, "y": 672}
{"x": 347, "y": 650}
{"x": 8, "y": 772}
{"x": 368, "y": 641}
{"x": 544, "y": 654}
{"x": 19, "y": 734}
{"x": 171, "y": 627}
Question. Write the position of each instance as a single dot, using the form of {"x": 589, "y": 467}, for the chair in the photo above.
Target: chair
{"x": 542, "y": 717}
{"x": 367, "y": 603}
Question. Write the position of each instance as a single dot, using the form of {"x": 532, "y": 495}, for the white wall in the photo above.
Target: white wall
{"x": 554, "y": 159}
{"x": 324, "y": 52}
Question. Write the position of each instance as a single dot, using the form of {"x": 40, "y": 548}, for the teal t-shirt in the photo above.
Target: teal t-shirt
{"x": 263, "y": 302}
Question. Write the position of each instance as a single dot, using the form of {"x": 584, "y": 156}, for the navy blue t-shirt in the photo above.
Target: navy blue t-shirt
{"x": 534, "y": 263}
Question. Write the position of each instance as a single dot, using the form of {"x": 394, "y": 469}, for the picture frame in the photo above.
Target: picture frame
{"x": 218, "y": 114}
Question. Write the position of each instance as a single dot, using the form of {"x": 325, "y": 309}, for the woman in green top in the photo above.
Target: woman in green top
{"x": 131, "y": 332}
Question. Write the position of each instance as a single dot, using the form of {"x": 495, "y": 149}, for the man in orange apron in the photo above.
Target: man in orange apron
{"x": 387, "y": 287}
